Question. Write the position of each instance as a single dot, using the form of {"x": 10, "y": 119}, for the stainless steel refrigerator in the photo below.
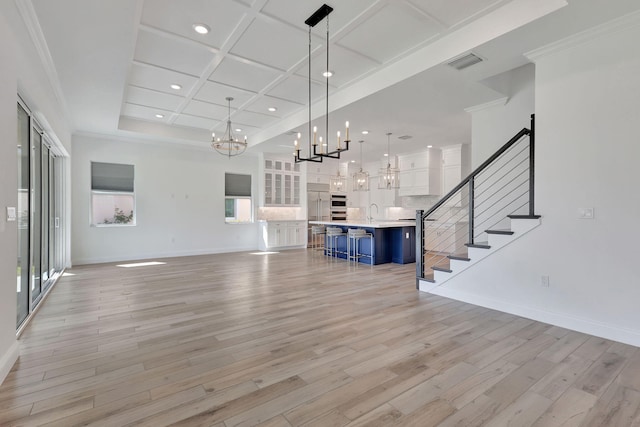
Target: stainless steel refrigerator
{"x": 318, "y": 204}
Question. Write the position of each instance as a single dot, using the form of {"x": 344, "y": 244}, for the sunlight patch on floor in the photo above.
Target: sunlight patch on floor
{"x": 141, "y": 264}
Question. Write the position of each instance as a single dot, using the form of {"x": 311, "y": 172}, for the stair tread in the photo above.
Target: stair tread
{"x": 446, "y": 270}
{"x": 460, "y": 257}
{"x": 428, "y": 277}
{"x": 481, "y": 245}
{"x": 505, "y": 232}
{"x": 524, "y": 216}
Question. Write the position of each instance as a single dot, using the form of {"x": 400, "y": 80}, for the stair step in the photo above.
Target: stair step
{"x": 481, "y": 245}
{"x": 504, "y": 232}
{"x": 459, "y": 257}
{"x": 446, "y": 270}
{"x": 524, "y": 216}
{"x": 428, "y": 277}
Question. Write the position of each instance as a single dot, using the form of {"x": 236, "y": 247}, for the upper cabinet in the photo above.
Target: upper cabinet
{"x": 282, "y": 182}
{"x": 420, "y": 173}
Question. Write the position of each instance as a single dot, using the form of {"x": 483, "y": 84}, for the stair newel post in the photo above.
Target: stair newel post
{"x": 471, "y": 207}
{"x": 419, "y": 247}
{"x": 532, "y": 163}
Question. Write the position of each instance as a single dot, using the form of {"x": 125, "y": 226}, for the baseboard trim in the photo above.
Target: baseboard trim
{"x": 626, "y": 336}
{"x": 8, "y": 360}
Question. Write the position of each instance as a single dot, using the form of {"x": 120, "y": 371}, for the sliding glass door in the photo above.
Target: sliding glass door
{"x": 39, "y": 225}
{"x": 23, "y": 214}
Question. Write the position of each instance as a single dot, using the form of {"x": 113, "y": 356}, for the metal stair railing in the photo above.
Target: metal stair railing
{"x": 503, "y": 185}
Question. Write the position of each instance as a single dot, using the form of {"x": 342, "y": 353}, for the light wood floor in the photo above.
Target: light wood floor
{"x": 295, "y": 339}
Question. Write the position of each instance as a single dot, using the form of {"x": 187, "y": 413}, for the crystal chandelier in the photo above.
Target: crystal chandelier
{"x": 361, "y": 178}
{"x": 315, "y": 153}
{"x": 389, "y": 178}
{"x": 228, "y": 145}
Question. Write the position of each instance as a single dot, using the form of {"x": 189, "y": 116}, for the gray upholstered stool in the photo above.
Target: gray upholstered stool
{"x": 317, "y": 230}
{"x": 354, "y": 236}
{"x": 331, "y": 240}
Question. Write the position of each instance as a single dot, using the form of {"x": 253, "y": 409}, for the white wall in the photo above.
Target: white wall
{"x": 493, "y": 125}
{"x": 8, "y": 197}
{"x": 587, "y": 111}
{"x": 179, "y": 202}
{"x": 22, "y": 73}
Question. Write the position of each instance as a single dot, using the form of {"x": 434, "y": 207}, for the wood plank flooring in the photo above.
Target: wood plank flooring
{"x": 296, "y": 339}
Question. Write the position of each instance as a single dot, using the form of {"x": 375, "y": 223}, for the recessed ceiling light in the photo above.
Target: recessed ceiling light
{"x": 272, "y": 109}
{"x": 429, "y": 146}
{"x": 160, "y": 116}
{"x": 328, "y": 73}
{"x": 365, "y": 132}
{"x": 238, "y": 130}
{"x": 201, "y": 28}
{"x": 175, "y": 86}
{"x": 386, "y": 154}
{"x": 353, "y": 161}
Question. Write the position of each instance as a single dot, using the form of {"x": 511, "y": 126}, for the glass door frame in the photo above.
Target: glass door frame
{"x": 49, "y": 218}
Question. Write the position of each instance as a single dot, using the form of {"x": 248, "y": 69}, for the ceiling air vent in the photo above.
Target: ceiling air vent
{"x": 465, "y": 61}
{"x": 405, "y": 137}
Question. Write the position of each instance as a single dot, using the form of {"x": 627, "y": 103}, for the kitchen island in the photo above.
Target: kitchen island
{"x": 393, "y": 241}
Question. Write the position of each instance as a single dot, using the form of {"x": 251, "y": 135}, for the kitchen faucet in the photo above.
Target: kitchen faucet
{"x": 370, "y": 217}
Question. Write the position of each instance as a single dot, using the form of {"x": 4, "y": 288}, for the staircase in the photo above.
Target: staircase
{"x": 489, "y": 209}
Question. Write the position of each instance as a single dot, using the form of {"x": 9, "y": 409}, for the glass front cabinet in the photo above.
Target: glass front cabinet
{"x": 281, "y": 183}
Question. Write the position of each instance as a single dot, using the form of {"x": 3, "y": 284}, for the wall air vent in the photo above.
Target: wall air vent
{"x": 465, "y": 61}
{"x": 405, "y": 137}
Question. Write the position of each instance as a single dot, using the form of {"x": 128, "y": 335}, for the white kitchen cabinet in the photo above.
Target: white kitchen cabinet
{"x": 297, "y": 233}
{"x": 452, "y": 171}
{"x": 420, "y": 173}
{"x": 282, "y": 234}
{"x": 281, "y": 183}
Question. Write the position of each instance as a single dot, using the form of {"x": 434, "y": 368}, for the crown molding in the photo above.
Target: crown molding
{"x": 495, "y": 103}
{"x": 30, "y": 18}
{"x": 622, "y": 23}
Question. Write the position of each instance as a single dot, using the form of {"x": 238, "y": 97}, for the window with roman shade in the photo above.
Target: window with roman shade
{"x": 112, "y": 194}
{"x": 237, "y": 198}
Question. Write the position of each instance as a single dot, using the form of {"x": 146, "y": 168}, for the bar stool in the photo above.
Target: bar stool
{"x": 355, "y": 235}
{"x": 332, "y": 235}
{"x": 317, "y": 230}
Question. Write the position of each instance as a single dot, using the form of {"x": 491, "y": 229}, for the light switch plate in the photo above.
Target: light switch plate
{"x": 11, "y": 213}
{"x": 585, "y": 213}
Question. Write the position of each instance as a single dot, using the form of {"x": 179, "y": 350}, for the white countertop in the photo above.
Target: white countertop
{"x": 374, "y": 224}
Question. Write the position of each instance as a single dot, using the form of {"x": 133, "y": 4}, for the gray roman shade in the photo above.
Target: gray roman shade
{"x": 237, "y": 185}
{"x": 111, "y": 177}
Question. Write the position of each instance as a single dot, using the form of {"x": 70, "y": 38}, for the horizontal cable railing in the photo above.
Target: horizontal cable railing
{"x": 503, "y": 185}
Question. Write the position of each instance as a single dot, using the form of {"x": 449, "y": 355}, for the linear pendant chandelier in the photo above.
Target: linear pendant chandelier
{"x": 316, "y": 154}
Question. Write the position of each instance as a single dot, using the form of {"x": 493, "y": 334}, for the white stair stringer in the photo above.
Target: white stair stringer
{"x": 519, "y": 226}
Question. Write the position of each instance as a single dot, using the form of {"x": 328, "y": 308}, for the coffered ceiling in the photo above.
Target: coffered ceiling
{"x": 116, "y": 62}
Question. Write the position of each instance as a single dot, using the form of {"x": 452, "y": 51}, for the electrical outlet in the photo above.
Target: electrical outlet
{"x": 544, "y": 281}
